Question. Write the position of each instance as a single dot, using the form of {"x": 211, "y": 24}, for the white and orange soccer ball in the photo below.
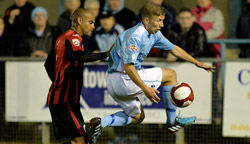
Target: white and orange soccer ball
{"x": 182, "y": 95}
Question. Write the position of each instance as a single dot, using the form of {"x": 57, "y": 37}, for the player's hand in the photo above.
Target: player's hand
{"x": 151, "y": 94}
{"x": 206, "y": 67}
{"x": 108, "y": 52}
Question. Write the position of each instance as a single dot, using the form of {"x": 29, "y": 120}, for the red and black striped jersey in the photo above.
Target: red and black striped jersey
{"x": 68, "y": 80}
{"x": 64, "y": 66}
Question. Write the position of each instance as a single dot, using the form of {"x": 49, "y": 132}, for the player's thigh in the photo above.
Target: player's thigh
{"x": 131, "y": 107}
{"x": 123, "y": 86}
{"x": 67, "y": 120}
{"x": 120, "y": 84}
{"x": 152, "y": 77}
{"x": 169, "y": 76}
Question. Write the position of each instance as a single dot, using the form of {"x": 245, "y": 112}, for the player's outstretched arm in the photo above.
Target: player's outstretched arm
{"x": 82, "y": 56}
{"x": 180, "y": 53}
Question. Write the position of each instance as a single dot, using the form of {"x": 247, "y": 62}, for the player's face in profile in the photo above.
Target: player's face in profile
{"x": 155, "y": 24}
{"x": 88, "y": 24}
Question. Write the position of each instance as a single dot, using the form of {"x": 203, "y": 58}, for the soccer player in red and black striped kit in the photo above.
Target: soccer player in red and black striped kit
{"x": 64, "y": 66}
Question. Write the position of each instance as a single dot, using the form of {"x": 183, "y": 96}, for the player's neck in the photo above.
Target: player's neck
{"x": 77, "y": 30}
{"x": 146, "y": 27}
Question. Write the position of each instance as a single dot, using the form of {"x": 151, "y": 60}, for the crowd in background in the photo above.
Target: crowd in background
{"x": 25, "y": 31}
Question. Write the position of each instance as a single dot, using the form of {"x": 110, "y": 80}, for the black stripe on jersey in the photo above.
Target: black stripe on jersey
{"x": 72, "y": 87}
{"x": 65, "y": 85}
{"x": 52, "y": 97}
{"x": 79, "y": 81}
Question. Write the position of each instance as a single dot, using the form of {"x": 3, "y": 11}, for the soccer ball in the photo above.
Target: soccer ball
{"x": 182, "y": 95}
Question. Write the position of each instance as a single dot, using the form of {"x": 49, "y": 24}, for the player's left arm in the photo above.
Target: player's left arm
{"x": 180, "y": 53}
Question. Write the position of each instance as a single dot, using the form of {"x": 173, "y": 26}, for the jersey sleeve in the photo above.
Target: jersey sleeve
{"x": 75, "y": 43}
{"x": 131, "y": 50}
{"x": 163, "y": 43}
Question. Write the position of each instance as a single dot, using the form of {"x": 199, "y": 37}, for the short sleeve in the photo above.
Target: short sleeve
{"x": 131, "y": 50}
{"x": 163, "y": 43}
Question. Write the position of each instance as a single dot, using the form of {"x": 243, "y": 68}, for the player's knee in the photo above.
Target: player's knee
{"x": 142, "y": 117}
{"x": 172, "y": 73}
{"x": 139, "y": 118}
{"x": 78, "y": 140}
{"x": 169, "y": 74}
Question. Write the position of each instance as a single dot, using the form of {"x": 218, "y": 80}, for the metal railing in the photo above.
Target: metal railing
{"x": 223, "y": 43}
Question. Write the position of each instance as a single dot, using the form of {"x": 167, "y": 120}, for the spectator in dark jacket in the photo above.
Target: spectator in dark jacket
{"x": 39, "y": 38}
{"x": 64, "y": 22}
{"x": 243, "y": 30}
{"x": 122, "y": 15}
{"x": 6, "y": 40}
{"x": 17, "y": 20}
{"x": 17, "y": 16}
{"x": 188, "y": 35}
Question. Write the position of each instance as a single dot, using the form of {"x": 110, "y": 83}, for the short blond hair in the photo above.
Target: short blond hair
{"x": 151, "y": 9}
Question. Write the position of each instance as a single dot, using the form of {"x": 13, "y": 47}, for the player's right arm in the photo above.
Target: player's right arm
{"x": 134, "y": 76}
{"x": 131, "y": 51}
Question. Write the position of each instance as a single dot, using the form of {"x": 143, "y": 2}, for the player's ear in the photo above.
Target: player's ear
{"x": 79, "y": 20}
{"x": 145, "y": 20}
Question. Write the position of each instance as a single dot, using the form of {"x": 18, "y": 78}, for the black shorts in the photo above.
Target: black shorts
{"x": 67, "y": 120}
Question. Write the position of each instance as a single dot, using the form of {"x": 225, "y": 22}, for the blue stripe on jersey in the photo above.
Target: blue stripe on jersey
{"x": 133, "y": 45}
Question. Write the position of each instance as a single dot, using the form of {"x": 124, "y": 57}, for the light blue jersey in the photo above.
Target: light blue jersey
{"x": 133, "y": 45}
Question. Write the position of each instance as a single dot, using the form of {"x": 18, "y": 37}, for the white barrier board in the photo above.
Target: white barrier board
{"x": 236, "y": 116}
{"x": 27, "y": 85}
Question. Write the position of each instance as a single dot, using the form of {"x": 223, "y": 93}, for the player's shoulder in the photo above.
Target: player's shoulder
{"x": 138, "y": 32}
{"x": 70, "y": 34}
{"x": 73, "y": 37}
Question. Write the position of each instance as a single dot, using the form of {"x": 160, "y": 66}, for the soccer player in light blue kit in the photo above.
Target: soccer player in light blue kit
{"x": 126, "y": 81}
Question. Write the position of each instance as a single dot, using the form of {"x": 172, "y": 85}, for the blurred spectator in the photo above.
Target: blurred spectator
{"x": 188, "y": 35}
{"x": 94, "y": 7}
{"x": 170, "y": 17}
{"x": 212, "y": 21}
{"x": 64, "y": 22}
{"x": 243, "y": 30}
{"x": 6, "y": 40}
{"x": 39, "y": 38}
{"x": 17, "y": 16}
{"x": 107, "y": 33}
{"x": 89, "y": 42}
{"x": 122, "y": 15}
